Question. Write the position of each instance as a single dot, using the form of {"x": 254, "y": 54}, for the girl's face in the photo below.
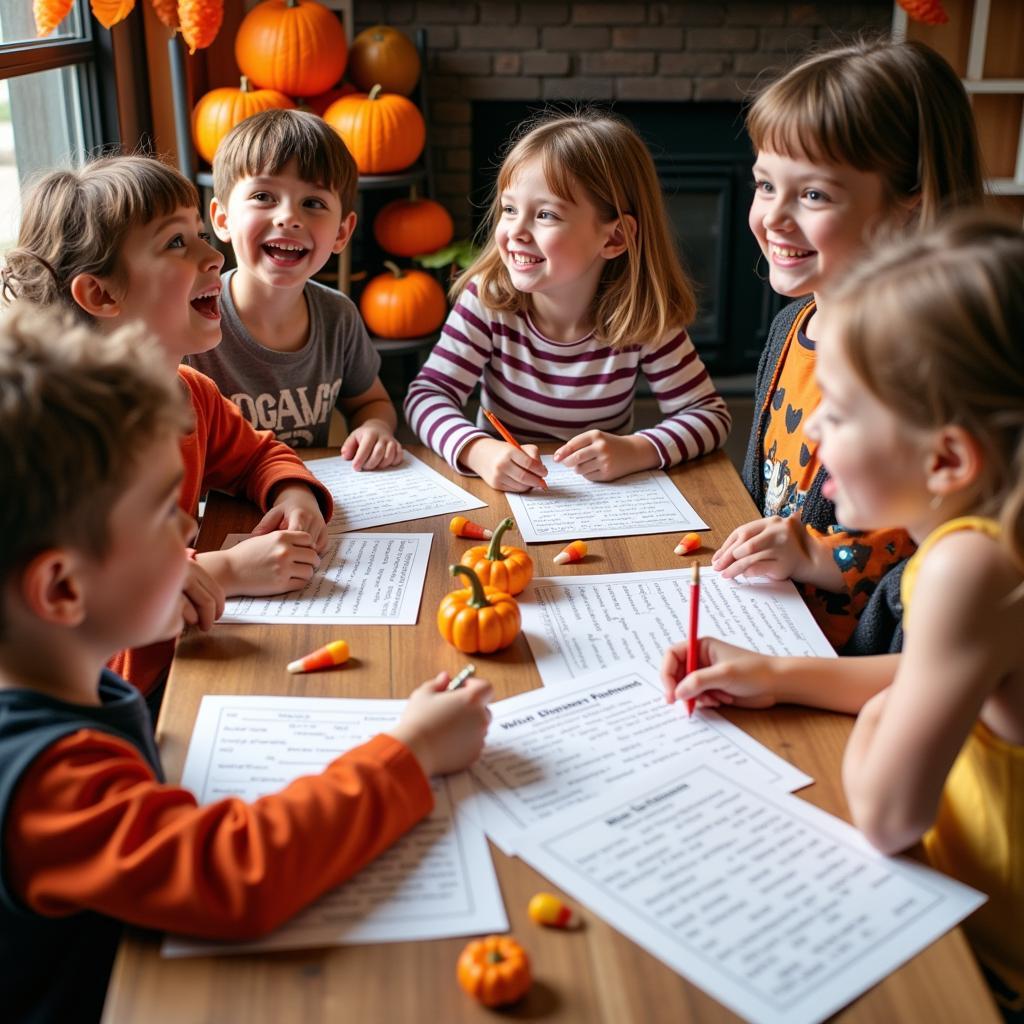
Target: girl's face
{"x": 551, "y": 246}
{"x": 877, "y": 462}
{"x": 170, "y": 280}
{"x": 812, "y": 220}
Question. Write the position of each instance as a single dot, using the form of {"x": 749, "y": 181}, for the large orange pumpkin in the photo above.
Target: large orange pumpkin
{"x": 403, "y": 304}
{"x": 385, "y": 55}
{"x": 412, "y": 227}
{"x": 384, "y": 132}
{"x": 220, "y": 110}
{"x": 295, "y": 46}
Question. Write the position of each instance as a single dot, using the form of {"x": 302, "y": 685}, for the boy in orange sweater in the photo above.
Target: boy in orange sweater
{"x": 94, "y": 560}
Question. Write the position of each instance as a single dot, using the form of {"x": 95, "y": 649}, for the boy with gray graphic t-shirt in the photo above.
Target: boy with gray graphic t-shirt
{"x": 293, "y": 349}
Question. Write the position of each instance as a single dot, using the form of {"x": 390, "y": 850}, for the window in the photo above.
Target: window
{"x": 57, "y": 99}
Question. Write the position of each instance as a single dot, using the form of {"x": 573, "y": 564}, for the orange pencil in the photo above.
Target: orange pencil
{"x": 500, "y": 428}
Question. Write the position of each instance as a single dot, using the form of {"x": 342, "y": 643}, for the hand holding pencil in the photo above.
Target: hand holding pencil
{"x": 500, "y": 428}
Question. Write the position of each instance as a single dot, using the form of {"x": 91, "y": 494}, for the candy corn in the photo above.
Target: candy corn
{"x": 574, "y": 552}
{"x": 463, "y": 527}
{"x": 687, "y": 543}
{"x": 334, "y": 653}
{"x": 549, "y": 910}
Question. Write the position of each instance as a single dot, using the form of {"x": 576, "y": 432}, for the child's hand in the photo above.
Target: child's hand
{"x": 372, "y": 446}
{"x": 504, "y": 466}
{"x": 600, "y": 456}
{"x": 445, "y": 730}
{"x": 203, "y": 597}
{"x": 272, "y": 563}
{"x": 730, "y": 675}
{"x": 779, "y": 549}
{"x": 295, "y": 508}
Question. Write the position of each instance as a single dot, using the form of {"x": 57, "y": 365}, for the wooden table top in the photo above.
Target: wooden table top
{"x": 593, "y": 976}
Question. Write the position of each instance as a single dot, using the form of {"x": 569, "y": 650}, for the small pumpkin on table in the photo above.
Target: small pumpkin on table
{"x": 507, "y": 568}
{"x": 495, "y": 970}
{"x": 477, "y": 619}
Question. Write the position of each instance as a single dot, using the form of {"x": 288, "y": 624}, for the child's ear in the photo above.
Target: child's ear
{"x": 615, "y": 245}
{"x": 51, "y": 589}
{"x": 345, "y": 229}
{"x": 219, "y": 219}
{"x": 955, "y": 461}
{"x": 95, "y": 296}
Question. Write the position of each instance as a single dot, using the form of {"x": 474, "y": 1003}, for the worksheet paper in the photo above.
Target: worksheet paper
{"x": 364, "y": 579}
{"x": 579, "y": 624}
{"x": 776, "y": 909}
{"x": 410, "y": 490}
{"x": 435, "y": 882}
{"x": 551, "y": 751}
{"x": 573, "y": 507}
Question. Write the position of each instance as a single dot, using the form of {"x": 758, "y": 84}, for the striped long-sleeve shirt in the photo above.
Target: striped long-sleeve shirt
{"x": 543, "y": 390}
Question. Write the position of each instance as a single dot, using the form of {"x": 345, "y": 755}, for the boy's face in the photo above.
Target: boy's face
{"x": 283, "y": 229}
{"x": 133, "y": 593}
{"x": 170, "y": 280}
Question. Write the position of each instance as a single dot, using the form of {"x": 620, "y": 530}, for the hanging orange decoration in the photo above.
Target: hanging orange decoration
{"x": 295, "y": 46}
{"x": 200, "y": 22}
{"x": 167, "y": 12}
{"x": 109, "y": 12}
{"x": 929, "y": 12}
{"x": 49, "y": 14}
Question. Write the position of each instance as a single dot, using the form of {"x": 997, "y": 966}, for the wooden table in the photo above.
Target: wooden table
{"x": 595, "y": 975}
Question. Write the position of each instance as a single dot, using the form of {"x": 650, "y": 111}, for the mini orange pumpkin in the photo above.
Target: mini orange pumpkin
{"x": 412, "y": 227}
{"x": 384, "y": 132}
{"x": 295, "y": 46}
{"x": 220, "y": 110}
{"x": 478, "y": 619}
{"x": 508, "y": 569}
{"x": 495, "y": 970}
{"x": 403, "y": 303}
{"x": 383, "y": 54}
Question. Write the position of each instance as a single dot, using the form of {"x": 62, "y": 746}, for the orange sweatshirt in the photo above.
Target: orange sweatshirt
{"x": 223, "y": 453}
{"x": 91, "y": 828}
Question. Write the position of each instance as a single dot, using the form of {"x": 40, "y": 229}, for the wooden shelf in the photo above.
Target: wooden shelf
{"x": 402, "y": 346}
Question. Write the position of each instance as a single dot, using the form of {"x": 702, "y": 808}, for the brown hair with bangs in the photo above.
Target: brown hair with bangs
{"x": 75, "y": 222}
{"x": 643, "y": 293}
{"x": 932, "y": 327}
{"x": 77, "y": 411}
{"x": 895, "y": 109}
{"x": 267, "y": 141}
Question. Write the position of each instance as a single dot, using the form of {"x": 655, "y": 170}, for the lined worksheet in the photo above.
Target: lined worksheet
{"x": 580, "y": 624}
{"x": 575, "y": 508}
{"x": 551, "y": 751}
{"x": 364, "y": 579}
{"x": 776, "y": 909}
{"x": 411, "y": 490}
{"x": 435, "y": 882}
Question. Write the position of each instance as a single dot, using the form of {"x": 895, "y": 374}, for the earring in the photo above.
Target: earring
{"x": 757, "y": 265}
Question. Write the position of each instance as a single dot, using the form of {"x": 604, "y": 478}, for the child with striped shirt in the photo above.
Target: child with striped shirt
{"x": 578, "y": 290}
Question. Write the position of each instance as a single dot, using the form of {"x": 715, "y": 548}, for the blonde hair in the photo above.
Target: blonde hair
{"x": 265, "y": 142}
{"x": 75, "y": 222}
{"x": 77, "y": 408}
{"x": 933, "y": 328}
{"x": 644, "y": 292}
{"x": 895, "y": 109}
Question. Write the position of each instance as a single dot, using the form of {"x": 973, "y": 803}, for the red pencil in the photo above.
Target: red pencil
{"x": 692, "y": 641}
{"x": 500, "y": 428}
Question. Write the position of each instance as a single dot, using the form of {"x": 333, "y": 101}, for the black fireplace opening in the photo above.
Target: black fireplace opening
{"x": 703, "y": 157}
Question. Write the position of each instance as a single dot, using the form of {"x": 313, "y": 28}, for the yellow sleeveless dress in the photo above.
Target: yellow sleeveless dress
{"x": 978, "y": 836}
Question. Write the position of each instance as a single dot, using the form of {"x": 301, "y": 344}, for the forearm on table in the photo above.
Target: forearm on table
{"x": 840, "y": 684}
